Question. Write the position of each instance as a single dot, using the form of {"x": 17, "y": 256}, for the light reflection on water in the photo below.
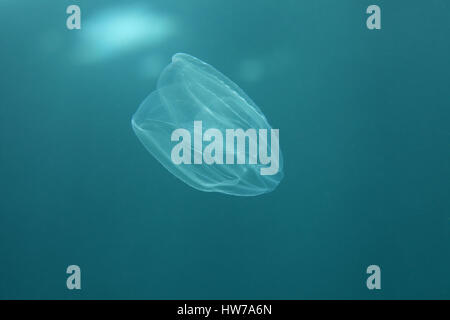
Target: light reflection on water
{"x": 121, "y": 30}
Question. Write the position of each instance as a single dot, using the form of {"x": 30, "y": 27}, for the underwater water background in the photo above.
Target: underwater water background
{"x": 364, "y": 119}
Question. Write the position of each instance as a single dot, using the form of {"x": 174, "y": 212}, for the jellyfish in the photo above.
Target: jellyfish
{"x": 207, "y": 132}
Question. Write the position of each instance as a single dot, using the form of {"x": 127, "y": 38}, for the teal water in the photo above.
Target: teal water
{"x": 364, "y": 128}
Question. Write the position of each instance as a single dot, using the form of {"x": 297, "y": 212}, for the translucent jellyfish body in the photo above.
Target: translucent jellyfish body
{"x": 207, "y": 132}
